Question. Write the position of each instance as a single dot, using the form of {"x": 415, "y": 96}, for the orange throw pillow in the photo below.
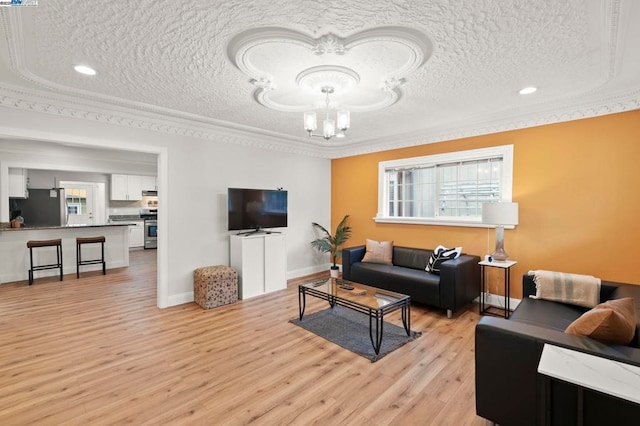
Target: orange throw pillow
{"x": 379, "y": 252}
{"x": 613, "y": 321}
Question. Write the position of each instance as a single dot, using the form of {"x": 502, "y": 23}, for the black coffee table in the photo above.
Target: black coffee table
{"x": 371, "y": 301}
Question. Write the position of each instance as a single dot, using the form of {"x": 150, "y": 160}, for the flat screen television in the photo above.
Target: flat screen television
{"x": 255, "y": 209}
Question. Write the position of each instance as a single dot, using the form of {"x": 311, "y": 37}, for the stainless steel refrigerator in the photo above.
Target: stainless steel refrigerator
{"x": 44, "y": 207}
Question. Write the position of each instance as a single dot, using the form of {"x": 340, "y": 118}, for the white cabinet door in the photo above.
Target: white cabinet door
{"x": 135, "y": 187}
{"x": 119, "y": 187}
{"x": 261, "y": 263}
{"x": 149, "y": 183}
{"x": 126, "y": 187}
{"x": 17, "y": 183}
{"x": 136, "y": 234}
{"x": 275, "y": 263}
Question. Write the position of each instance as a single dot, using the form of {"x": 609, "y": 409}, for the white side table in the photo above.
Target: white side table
{"x": 590, "y": 372}
{"x": 506, "y": 266}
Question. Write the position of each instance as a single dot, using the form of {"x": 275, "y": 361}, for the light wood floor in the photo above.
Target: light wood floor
{"x": 97, "y": 351}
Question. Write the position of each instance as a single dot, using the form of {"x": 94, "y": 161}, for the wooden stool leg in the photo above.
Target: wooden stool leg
{"x": 104, "y": 263}
{"x": 78, "y": 260}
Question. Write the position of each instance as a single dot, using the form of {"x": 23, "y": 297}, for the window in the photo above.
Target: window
{"x": 76, "y": 201}
{"x": 444, "y": 189}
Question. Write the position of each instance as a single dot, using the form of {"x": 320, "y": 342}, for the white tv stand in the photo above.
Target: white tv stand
{"x": 261, "y": 262}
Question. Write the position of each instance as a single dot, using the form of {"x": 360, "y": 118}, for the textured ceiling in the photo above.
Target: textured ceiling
{"x": 170, "y": 57}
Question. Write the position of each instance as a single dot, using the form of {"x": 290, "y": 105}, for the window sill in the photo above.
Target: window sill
{"x": 437, "y": 222}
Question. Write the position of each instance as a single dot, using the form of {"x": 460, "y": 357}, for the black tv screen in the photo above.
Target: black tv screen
{"x": 256, "y": 208}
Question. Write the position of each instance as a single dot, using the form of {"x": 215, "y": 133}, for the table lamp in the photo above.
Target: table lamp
{"x": 501, "y": 215}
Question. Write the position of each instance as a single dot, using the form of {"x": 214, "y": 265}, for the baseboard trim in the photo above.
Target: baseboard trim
{"x": 309, "y": 271}
{"x": 498, "y": 301}
{"x": 180, "y": 299}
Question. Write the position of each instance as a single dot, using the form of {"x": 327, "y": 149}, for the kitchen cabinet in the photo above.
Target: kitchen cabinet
{"x": 136, "y": 234}
{"x": 126, "y": 187}
{"x": 261, "y": 262}
{"x": 18, "y": 183}
{"x": 149, "y": 183}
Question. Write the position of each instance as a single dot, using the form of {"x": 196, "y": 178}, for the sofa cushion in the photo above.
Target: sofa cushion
{"x": 544, "y": 313}
{"x": 379, "y": 252}
{"x": 613, "y": 321}
{"x": 631, "y": 291}
{"x": 411, "y": 257}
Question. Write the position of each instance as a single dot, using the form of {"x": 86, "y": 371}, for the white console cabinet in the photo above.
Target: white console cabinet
{"x": 261, "y": 262}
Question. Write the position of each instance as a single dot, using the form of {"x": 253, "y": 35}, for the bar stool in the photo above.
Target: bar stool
{"x": 80, "y": 262}
{"x": 44, "y": 243}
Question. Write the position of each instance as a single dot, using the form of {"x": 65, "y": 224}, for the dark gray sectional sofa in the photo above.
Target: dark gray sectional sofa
{"x": 509, "y": 391}
{"x": 457, "y": 285}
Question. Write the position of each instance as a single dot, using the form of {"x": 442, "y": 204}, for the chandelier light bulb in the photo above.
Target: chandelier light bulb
{"x": 328, "y": 129}
{"x": 344, "y": 120}
{"x": 310, "y": 121}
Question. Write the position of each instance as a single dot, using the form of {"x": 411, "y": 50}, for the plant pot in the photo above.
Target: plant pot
{"x": 335, "y": 272}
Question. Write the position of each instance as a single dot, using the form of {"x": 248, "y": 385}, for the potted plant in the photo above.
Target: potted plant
{"x": 331, "y": 244}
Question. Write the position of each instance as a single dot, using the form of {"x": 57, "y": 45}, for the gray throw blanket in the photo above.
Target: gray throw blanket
{"x": 574, "y": 289}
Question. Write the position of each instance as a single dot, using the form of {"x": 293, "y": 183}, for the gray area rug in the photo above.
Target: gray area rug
{"x": 350, "y": 330}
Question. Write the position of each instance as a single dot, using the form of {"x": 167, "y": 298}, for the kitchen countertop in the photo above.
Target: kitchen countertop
{"x": 37, "y": 228}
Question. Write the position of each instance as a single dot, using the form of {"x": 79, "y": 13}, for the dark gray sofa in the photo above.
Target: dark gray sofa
{"x": 457, "y": 285}
{"x": 509, "y": 391}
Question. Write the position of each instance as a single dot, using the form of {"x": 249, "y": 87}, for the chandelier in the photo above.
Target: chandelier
{"x": 330, "y": 127}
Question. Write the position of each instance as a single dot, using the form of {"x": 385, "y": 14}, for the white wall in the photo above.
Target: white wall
{"x": 43, "y": 179}
{"x": 193, "y": 175}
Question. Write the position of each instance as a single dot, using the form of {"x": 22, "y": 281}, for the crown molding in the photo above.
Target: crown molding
{"x": 194, "y": 127}
{"x": 38, "y": 102}
{"x": 621, "y": 102}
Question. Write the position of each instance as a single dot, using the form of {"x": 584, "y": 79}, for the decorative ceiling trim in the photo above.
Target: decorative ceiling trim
{"x": 41, "y": 103}
{"x": 417, "y": 47}
{"x": 622, "y": 102}
{"x": 36, "y": 102}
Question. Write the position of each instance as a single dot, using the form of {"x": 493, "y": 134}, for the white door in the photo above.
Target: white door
{"x": 79, "y": 203}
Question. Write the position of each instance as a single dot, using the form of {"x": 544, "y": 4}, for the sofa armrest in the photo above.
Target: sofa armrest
{"x": 350, "y": 256}
{"x": 507, "y": 354}
{"x": 459, "y": 281}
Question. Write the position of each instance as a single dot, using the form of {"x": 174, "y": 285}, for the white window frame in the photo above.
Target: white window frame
{"x": 506, "y": 182}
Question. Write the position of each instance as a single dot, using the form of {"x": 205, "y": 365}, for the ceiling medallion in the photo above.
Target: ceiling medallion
{"x": 294, "y": 72}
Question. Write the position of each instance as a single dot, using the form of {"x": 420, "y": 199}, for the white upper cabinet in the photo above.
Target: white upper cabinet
{"x": 149, "y": 183}
{"x": 126, "y": 187}
{"x": 135, "y": 187}
{"x": 17, "y": 183}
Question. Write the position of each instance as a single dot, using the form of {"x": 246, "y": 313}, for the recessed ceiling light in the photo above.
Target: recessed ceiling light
{"x": 83, "y": 69}
{"x": 527, "y": 90}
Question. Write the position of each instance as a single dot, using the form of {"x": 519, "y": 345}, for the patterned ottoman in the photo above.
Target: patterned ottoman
{"x": 215, "y": 286}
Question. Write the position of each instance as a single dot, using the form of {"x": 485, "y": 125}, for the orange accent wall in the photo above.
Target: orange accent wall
{"x": 578, "y": 188}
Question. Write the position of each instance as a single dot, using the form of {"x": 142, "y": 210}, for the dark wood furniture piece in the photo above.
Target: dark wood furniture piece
{"x": 44, "y": 243}
{"x": 80, "y": 262}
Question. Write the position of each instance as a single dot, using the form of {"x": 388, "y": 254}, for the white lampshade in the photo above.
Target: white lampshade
{"x": 344, "y": 120}
{"x": 504, "y": 214}
{"x": 310, "y": 123}
{"x": 328, "y": 128}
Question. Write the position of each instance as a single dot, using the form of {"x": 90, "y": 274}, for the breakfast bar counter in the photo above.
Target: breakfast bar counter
{"x": 14, "y": 254}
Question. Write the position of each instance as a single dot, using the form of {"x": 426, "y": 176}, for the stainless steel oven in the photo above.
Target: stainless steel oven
{"x": 150, "y": 217}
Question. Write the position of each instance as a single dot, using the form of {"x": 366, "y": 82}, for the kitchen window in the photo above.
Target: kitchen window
{"x": 444, "y": 189}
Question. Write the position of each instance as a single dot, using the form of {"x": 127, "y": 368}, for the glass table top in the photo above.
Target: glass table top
{"x": 361, "y": 294}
